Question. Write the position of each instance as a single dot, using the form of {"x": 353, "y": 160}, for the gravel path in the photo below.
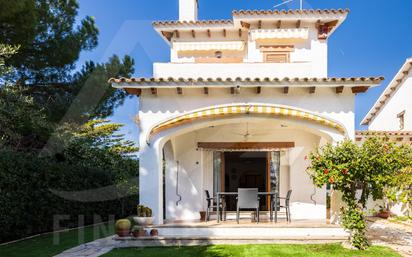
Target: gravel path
{"x": 394, "y": 235}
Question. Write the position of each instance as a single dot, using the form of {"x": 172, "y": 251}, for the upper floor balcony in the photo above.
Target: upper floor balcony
{"x": 238, "y": 70}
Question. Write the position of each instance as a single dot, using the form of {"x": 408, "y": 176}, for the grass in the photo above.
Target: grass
{"x": 324, "y": 250}
{"x": 55, "y": 243}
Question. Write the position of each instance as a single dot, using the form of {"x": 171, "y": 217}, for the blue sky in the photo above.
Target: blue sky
{"x": 375, "y": 39}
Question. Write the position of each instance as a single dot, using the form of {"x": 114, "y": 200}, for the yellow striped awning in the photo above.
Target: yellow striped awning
{"x": 260, "y": 110}
{"x": 207, "y": 46}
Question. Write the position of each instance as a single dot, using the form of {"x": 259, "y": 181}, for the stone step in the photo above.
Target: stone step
{"x": 191, "y": 241}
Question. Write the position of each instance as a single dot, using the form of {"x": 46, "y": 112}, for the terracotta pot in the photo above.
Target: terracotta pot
{"x": 202, "y": 215}
{"x": 139, "y": 233}
{"x": 123, "y": 232}
{"x": 154, "y": 232}
{"x": 384, "y": 214}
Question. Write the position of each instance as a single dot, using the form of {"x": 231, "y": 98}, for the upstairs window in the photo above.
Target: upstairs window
{"x": 401, "y": 117}
{"x": 276, "y": 54}
{"x": 277, "y": 57}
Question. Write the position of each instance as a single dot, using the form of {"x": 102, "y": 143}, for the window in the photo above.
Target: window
{"x": 277, "y": 57}
{"x": 276, "y": 53}
{"x": 401, "y": 117}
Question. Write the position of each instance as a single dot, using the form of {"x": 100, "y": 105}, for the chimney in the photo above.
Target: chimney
{"x": 188, "y": 10}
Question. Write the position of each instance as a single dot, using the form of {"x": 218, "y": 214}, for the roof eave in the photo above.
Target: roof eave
{"x": 370, "y": 116}
{"x": 266, "y": 82}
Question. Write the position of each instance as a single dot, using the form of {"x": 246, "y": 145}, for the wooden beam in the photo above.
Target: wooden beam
{"x": 224, "y": 33}
{"x": 399, "y": 80}
{"x": 286, "y": 90}
{"x": 245, "y": 24}
{"x": 406, "y": 72}
{"x": 134, "y": 91}
{"x": 361, "y": 89}
{"x": 298, "y": 23}
{"x": 153, "y": 90}
{"x": 332, "y": 23}
{"x": 193, "y": 33}
{"x": 206, "y": 90}
{"x": 245, "y": 145}
{"x": 240, "y": 32}
{"x": 259, "y": 24}
{"x": 317, "y": 24}
{"x": 339, "y": 90}
{"x": 312, "y": 90}
{"x": 179, "y": 90}
{"x": 258, "y": 90}
{"x": 279, "y": 24}
{"x": 167, "y": 35}
{"x": 235, "y": 90}
{"x": 177, "y": 34}
{"x": 209, "y": 34}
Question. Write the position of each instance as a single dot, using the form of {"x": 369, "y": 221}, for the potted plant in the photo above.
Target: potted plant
{"x": 154, "y": 232}
{"x": 202, "y": 215}
{"x": 144, "y": 216}
{"x": 384, "y": 212}
{"x": 123, "y": 227}
{"x": 138, "y": 231}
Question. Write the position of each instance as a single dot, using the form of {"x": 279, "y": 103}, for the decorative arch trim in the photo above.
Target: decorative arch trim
{"x": 238, "y": 110}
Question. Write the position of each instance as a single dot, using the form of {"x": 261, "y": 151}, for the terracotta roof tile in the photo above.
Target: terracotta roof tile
{"x": 382, "y": 133}
{"x": 188, "y": 23}
{"x": 374, "y": 80}
{"x": 289, "y": 12}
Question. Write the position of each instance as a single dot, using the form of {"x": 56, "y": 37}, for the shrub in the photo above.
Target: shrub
{"x": 370, "y": 168}
{"x": 28, "y": 204}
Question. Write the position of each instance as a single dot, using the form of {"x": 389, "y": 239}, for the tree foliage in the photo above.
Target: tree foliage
{"x": 350, "y": 168}
{"x": 37, "y": 94}
{"x": 6, "y": 51}
{"x": 50, "y": 42}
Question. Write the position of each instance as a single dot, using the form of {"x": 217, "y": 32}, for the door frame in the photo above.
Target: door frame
{"x": 268, "y": 182}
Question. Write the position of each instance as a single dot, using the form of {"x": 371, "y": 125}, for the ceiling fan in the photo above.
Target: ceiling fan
{"x": 247, "y": 133}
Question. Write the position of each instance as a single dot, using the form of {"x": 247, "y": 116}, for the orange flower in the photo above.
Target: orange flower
{"x": 325, "y": 171}
{"x": 331, "y": 180}
{"x": 345, "y": 171}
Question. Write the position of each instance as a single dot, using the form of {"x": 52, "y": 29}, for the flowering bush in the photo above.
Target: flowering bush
{"x": 370, "y": 168}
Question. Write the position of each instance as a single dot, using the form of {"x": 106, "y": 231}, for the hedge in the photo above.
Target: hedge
{"x": 27, "y": 205}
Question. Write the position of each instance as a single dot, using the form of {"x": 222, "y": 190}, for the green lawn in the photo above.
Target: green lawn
{"x": 44, "y": 246}
{"x": 252, "y": 250}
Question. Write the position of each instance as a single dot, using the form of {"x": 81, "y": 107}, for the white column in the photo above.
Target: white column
{"x": 151, "y": 179}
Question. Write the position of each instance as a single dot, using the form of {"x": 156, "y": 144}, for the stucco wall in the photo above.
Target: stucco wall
{"x": 196, "y": 169}
{"x": 167, "y": 104}
{"x": 309, "y": 59}
{"x": 387, "y": 119}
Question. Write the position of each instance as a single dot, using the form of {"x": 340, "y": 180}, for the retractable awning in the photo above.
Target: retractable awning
{"x": 265, "y": 34}
{"x": 207, "y": 46}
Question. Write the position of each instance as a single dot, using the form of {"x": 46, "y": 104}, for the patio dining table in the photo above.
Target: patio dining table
{"x": 270, "y": 194}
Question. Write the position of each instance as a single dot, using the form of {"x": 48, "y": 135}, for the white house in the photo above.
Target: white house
{"x": 390, "y": 117}
{"x": 240, "y": 104}
{"x": 392, "y": 111}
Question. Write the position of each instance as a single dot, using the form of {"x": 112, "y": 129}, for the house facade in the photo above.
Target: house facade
{"x": 392, "y": 110}
{"x": 240, "y": 104}
{"x": 390, "y": 117}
